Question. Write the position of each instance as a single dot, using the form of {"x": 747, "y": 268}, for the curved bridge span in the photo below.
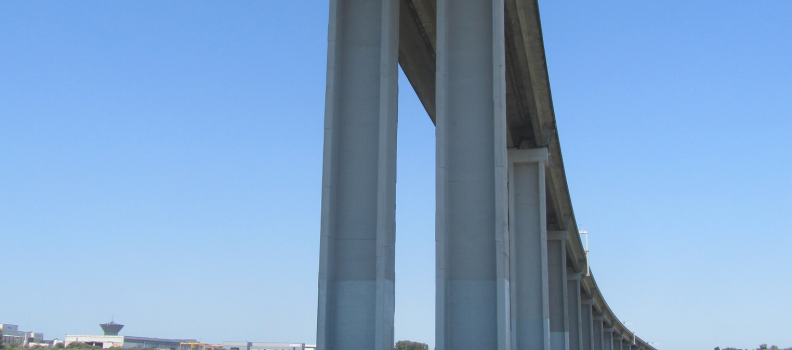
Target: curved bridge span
{"x": 511, "y": 271}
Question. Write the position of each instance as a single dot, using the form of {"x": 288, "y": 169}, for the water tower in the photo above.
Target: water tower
{"x": 111, "y": 328}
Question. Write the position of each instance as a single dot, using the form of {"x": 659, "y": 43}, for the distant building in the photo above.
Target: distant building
{"x": 111, "y": 339}
{"x": 45, "y": 343}
{"x": 13, "y": 336}
{"x": 126, "y": 341}
{"x": 111, "y": 328}
{"x": 242, "y": 345}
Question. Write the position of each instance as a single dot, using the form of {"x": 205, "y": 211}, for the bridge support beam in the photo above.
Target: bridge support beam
{"x": 530, "y": 311}
{"x": 617, "y": 342}
{"x": 574, "y": 311}
{"x": 356, "y": 292}
{"x": 597, "y": 336}
{"x": 607, "y": 339}
{"x": 557, "y": 282}
{"x": 587, "y": 322}
{"x": 472, "y": 300}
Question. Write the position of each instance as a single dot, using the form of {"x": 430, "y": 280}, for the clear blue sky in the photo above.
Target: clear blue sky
{"x": 160, "y": 162}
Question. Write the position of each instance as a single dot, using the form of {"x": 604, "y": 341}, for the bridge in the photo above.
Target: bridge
{"x": 511, "y": 269}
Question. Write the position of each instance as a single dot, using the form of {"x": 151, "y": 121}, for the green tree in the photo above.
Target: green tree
{"x": 410, "y": 345}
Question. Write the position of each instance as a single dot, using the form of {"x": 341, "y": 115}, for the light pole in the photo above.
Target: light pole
{"x": 586, "y": 250}
{"x": 633, "y": 330}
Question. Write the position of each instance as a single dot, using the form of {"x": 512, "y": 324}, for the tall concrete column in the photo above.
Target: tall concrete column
{"x": 557, "y": 282}
{"x": 356, "y": 295}
{"x": 607, "y": 340}
{"x": 574, "y": 312}
{"x": 530, "y": 310}
{"x": 598, "y": 339}
{"x": 587, "y": 324}
{"x": 472, "y": 307}
{"x": 617, "y": 341}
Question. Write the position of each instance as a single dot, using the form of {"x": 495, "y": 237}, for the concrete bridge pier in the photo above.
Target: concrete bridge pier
{"x": 608, "y": 339}
{"x": 597, "y": 336}
{"x": 472, "y": 300}
{"x": 574, "y": 311}
{"x": 626, "y": 344}
{"x": 617, "y": 342}
{"x": 587, "y": 322}
{"x": 557, "y": 281}
{"x": 530, "y": 310}
{"x": 356, "y": 295}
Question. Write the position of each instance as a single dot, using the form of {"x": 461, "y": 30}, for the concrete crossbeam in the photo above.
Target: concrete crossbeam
{"x": 472, "y": 307}
{"x": 356, "y": 277}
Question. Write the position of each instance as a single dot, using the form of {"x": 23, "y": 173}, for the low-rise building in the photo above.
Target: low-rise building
{"x": 243, "y": 345}
{"x": 45, "y": 343}
{"x": 13, "y": 336}
{"x": 111, "y": 339}
{"x": 127, "y": 341}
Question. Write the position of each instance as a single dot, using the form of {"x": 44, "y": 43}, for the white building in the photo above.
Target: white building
{"x": 45, "y": 343}
{"x": 244, "y": 345}
{"x": 126, "y": 341}
{"x": 111, "y": 339}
